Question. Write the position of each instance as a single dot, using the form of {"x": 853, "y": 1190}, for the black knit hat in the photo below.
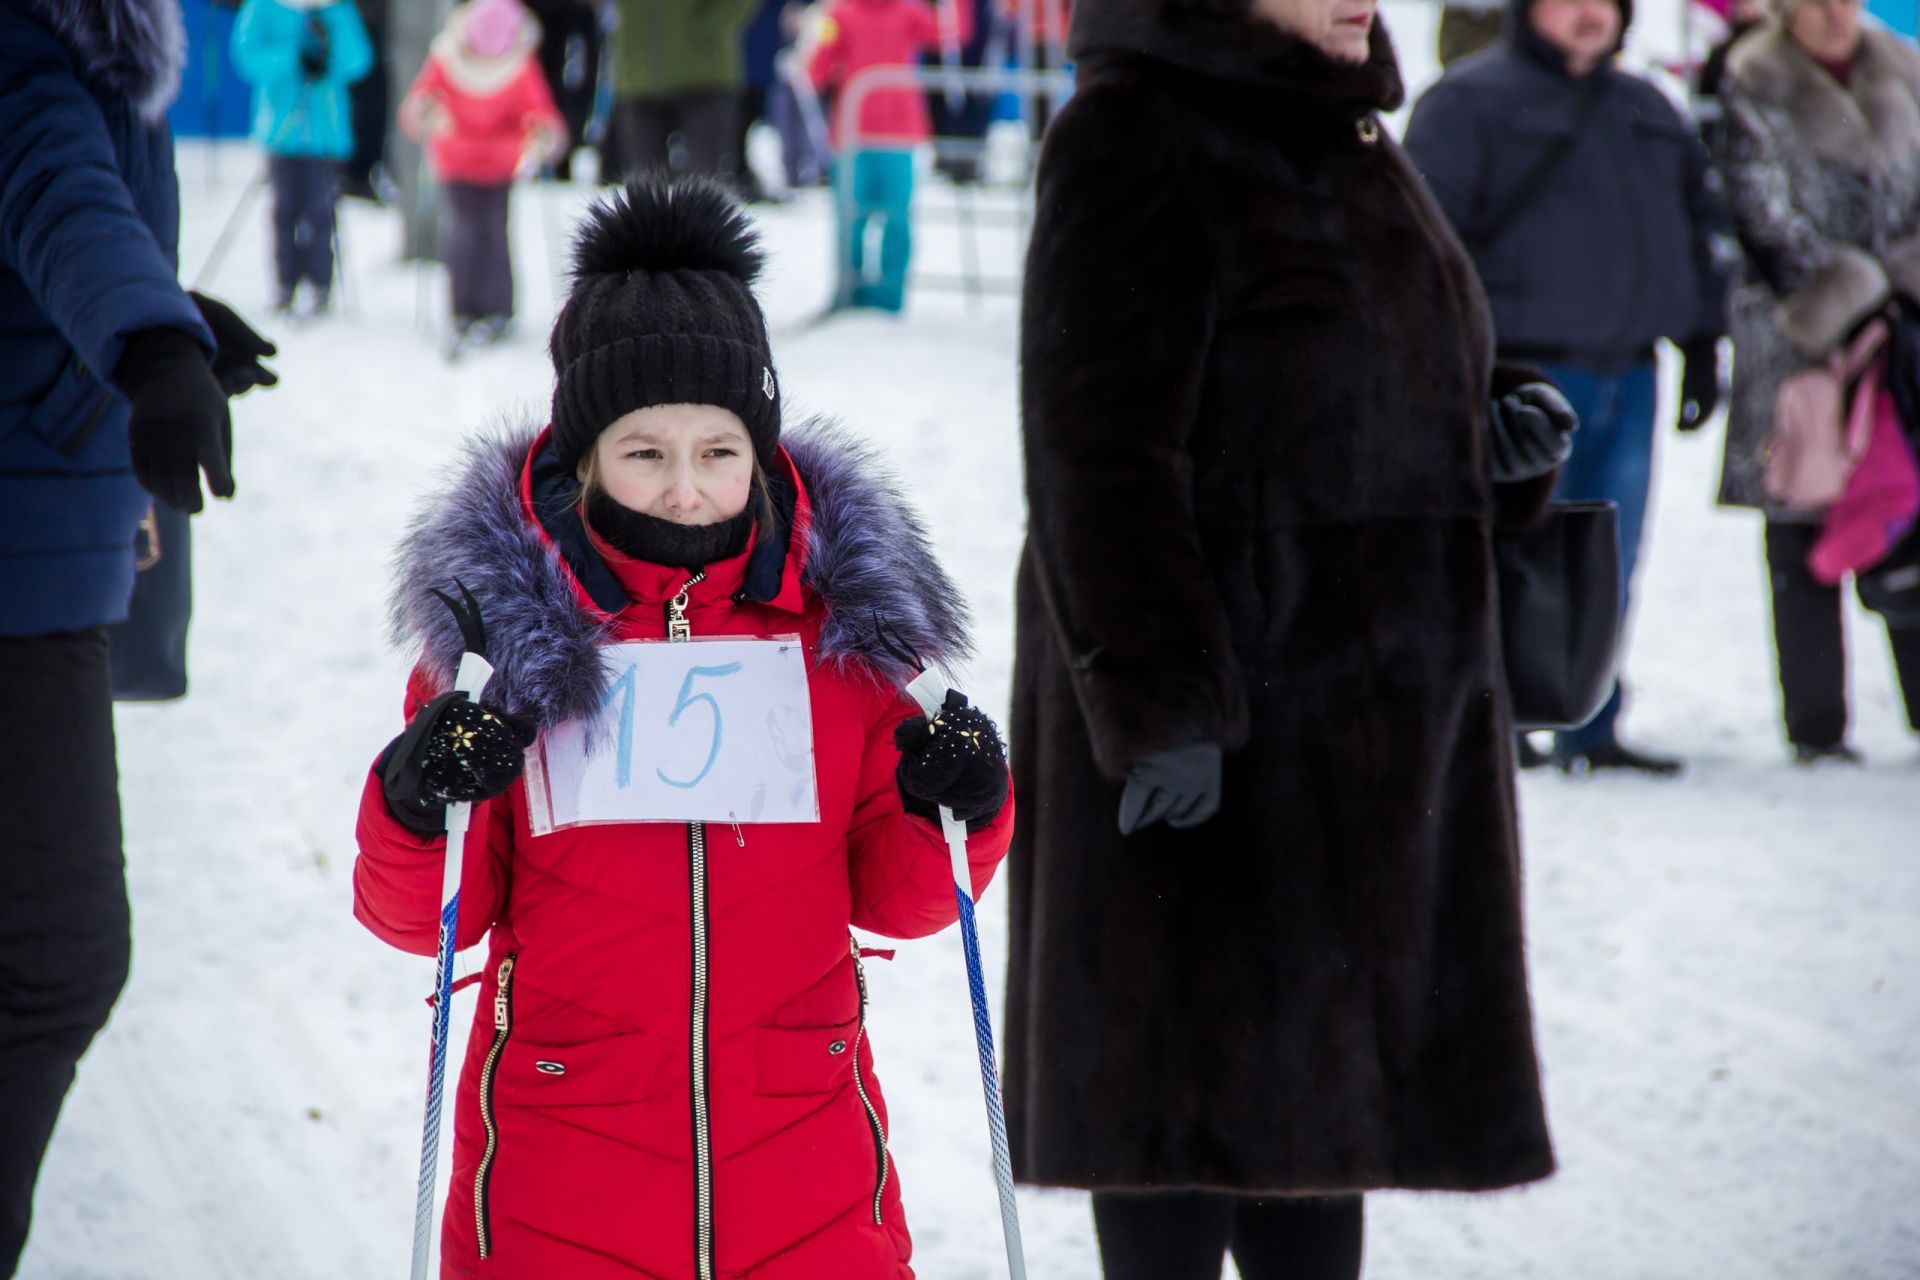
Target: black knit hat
{"x": 662, "y": 312}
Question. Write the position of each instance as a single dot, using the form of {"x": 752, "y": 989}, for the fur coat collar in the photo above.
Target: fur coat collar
{"x": 859, "y": 547}
{"x": 1869, "y": 126}
{"x": 133, "y": 47}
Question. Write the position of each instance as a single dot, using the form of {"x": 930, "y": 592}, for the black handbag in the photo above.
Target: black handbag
{"x": 149, "y": 649}
{"x": 1560, "y": 614}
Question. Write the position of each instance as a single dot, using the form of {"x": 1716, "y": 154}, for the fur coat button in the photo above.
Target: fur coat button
{"x": 1369, "y": 130}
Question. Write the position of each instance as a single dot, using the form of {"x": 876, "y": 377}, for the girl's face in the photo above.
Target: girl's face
{"x": 688, "y": 463}
{"x": 1338, "y": 28}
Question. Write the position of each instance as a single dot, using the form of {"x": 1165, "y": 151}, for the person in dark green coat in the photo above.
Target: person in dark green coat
{"x": 676, "y": 71}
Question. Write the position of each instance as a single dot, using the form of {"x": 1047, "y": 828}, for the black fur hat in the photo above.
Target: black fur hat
{"x": 662, "y": 312}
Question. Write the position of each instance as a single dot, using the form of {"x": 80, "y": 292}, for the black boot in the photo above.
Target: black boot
{"x": 1805, "y": 753}
{"x": 1612, "y": 755}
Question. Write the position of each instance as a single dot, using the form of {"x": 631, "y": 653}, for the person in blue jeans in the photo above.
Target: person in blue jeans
{"x": 1612, "y": 461}
{"x": 1582, "y": 195}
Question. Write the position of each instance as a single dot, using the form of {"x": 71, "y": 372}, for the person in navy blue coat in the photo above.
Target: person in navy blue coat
{"x": 113, "y": 393}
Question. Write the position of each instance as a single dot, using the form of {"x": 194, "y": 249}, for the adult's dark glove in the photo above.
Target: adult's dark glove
{"x": 236, "y": 362}
{"x": 955, "y": 760}
{"x": 1529, "y": 432}
{"x": 1180, "y": 786}
{"x": 454, "y": 749}
{"x": 1699, "y": 382}
{"x": 180, "y": 425}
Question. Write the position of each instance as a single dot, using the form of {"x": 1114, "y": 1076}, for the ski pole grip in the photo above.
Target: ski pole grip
{"x": 471, "y": 679}
{"x": 930, "y": 691}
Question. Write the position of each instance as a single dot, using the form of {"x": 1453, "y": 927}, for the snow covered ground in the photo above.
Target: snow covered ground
{"x": 1726, "y": 969}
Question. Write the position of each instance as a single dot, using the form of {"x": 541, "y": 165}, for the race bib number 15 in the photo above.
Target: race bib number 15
{"x": 701, "y": 731}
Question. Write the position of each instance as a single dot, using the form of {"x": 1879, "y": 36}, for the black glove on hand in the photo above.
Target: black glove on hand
{"x": 236, "y": 361}
{"x": 955, "y": 760}
{"x": 1180, "y": 785}
{"x": 1699, "y": 383}
{"x": 454, "y": 749}
{"x": 180, "y": 425}
{"x": 1529, "y": 432}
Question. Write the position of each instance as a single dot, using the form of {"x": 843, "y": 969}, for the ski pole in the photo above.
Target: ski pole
{"x": 929, "y": 691}
{"x": 470, "y": 679}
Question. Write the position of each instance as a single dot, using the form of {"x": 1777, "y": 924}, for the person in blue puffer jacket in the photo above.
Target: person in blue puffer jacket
{"x": 300, "y": 56}
{"x": 113, "y": 380}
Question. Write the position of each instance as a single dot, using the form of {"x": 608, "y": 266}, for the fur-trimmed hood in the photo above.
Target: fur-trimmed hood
{"x": 134, "y": 47}
{"x": 1870, "y": 125}
{"x": 862, "y": 551}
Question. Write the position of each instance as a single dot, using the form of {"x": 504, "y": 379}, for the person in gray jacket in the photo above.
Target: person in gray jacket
{"x": 1582, "y": 195}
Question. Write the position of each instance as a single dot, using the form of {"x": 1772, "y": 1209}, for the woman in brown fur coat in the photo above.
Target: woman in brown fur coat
{"x": 1259, "y": 576}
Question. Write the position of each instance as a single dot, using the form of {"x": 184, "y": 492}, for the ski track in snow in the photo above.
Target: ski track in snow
{"x": 1724, "y": 968}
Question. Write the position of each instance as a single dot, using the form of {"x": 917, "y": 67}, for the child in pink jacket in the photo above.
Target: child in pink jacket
{"x": 849, "y": 37}
{"x": 482, "y": 108}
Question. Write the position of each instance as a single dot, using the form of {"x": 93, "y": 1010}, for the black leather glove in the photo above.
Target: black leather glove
{"x": 1180, "y": 786}
{"x": 180, "y": 425}
{"x": 454, "y": 749}
{"x": 1529, "y": 432}
{"x": 955, "y": 760}
{"x": 236, "y": 361}
{"x": 1699, "y": 382}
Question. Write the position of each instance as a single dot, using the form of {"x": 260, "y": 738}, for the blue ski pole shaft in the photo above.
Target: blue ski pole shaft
{"x": 929, "y": 691}
{"x": 471, "y": 679}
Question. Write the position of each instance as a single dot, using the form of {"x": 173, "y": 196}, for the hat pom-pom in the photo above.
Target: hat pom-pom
{"x": 653, "y": 224}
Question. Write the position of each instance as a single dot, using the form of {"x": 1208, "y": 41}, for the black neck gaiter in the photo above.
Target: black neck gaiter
{"x": 662, "y": 542}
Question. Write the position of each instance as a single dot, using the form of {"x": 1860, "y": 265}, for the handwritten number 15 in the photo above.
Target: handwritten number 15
{"x": 686, "y": 699}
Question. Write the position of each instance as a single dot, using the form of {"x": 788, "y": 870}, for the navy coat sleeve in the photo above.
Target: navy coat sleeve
{"x": 68, "y": 225}
{"x": 1449, "y": 148}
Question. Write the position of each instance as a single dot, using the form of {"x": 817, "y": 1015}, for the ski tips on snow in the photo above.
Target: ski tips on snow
{"x": 653, "y": 224}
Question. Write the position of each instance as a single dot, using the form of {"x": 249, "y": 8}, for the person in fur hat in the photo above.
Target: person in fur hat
{"x": 1822, "y": 168}
{"x": 113, "y": 396}
{"x": 482, "y": 108}
{"x": 671, "y": 1072}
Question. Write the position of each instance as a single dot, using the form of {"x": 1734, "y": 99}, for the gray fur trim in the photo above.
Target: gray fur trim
{"x": 867, "y": 560}
{"x": 134, "y": 47}
{"x": 1872, "y": 123}
{"x": 1816, "y": 318}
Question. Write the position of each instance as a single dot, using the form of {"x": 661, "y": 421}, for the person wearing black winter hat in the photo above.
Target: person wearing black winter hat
{"x": 699, "y": 973}
{"x": 1583, "y": 197}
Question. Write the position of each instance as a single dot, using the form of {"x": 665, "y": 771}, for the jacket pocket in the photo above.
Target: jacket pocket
{"x": 521, "y": 1077}
{"x": 72, "y": 408}
{"x": 802, "y": 1060}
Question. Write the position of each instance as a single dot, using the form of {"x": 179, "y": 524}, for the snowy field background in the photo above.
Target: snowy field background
{"x": 1726, "y": 969}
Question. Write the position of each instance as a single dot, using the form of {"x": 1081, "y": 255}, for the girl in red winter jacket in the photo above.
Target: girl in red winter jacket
{"x": 670, "y": 1073}
{"x": 482, "y": 109}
